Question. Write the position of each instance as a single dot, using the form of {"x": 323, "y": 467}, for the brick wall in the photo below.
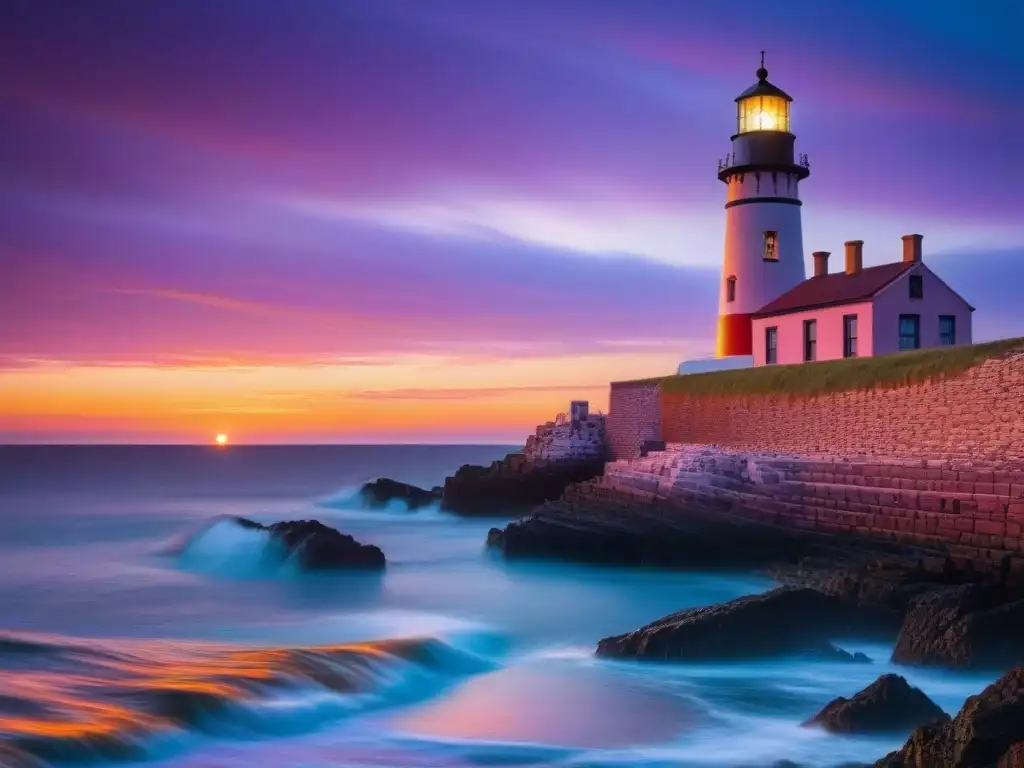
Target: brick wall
{"x": 977, "y": 416}
{"x": 634, "y": 416}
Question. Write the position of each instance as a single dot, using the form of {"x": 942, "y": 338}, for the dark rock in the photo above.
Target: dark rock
{"x": 838, "y": 654}
{"x": 513, "y": 486}
{"x": 596, "y": 525}
{"x": 787, "y": 620}
{"x": 641, "y": 535}
{"x": 976, "y": 626}
{"x": 1013, "y": 757}
{"x": 318, "y": 547}
{"x": 888, "y": 584}
{"x": 494, "y": 537}
{"x": 888, "y": 704}
{"x": 384, "y": 490}
{"x": 987, "y": 730}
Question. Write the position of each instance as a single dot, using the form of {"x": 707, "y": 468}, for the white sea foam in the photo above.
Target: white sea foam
{"x": 224, "y": 547}
{"x": 348, "y": 503}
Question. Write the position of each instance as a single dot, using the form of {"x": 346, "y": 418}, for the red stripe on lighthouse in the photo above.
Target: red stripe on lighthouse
{"x": 735, "y": 335}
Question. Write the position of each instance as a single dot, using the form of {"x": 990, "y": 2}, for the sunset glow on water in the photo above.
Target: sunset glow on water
{"x": 141, "y": 624}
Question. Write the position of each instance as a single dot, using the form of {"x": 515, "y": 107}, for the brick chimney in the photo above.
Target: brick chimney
{"x": 912, "y": 248}
{"x": 854, "y": 256}
{"x": 820, "y": 263}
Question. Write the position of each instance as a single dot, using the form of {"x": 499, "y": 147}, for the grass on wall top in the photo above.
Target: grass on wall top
{"x": 808, "y": 379}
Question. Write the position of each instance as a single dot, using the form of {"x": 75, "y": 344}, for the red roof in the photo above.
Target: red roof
{"x": 834, "y": 288}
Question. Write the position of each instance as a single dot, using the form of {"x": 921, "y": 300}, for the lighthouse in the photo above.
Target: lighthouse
{"x": 764, "y": 251}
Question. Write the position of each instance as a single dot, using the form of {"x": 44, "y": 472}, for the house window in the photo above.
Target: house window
{"x": 916, "y": 287}
{"x": 771, "y": 246}
{"x": 810, "y": 340}
{"x": 947, "y": 330}
{"x": 730, "y": 288}
{"x": 849, "y": 335}
{"x": 910, "y": 332}
{"x": 771, "y": 346}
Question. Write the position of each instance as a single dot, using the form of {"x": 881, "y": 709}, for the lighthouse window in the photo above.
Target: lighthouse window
{"x": 771, "y": 246}
{"x": 730, "y": 289}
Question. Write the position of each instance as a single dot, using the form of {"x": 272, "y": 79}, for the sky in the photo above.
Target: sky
{"x": 316, "y": 221}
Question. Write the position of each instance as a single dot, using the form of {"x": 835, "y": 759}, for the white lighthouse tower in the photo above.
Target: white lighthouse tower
{"x": 764, "y": 250}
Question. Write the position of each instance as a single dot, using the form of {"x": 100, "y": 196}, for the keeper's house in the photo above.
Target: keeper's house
{"x": 861, "y": 312}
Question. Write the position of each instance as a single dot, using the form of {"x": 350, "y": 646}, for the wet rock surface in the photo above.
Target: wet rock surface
{"x": 975, "y": 626}
{"x": 986, "y": 733}
{"x": 512, "y": 486}
{"x": 384, "y": 490}
{"x": 783, "y": 621}
{"x": 318, "y": 547}
{"x": 645, "y": 537}
{"x": 945, "y": 612}
{"x": 890, "y": 704}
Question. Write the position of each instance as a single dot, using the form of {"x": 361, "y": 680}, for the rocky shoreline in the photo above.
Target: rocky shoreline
{"x": 514, "y": 485}
{"x": 940, "y": 616}
{"x": 511, "y": 487}
{"x": 941, "y": 610}
{"x": 942, "y": 606}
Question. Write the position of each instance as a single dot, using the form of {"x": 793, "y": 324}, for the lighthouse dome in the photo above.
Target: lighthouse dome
{"x": 763, "y": 88}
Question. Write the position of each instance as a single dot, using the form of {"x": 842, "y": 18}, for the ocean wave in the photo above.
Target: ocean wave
{"x": 134, "y": 700}
{"x": 221, "y": 546}
{"x": 349, "y": 503}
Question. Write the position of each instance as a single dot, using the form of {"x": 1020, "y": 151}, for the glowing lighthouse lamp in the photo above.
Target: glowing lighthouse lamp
{"x": 764, "y": 252}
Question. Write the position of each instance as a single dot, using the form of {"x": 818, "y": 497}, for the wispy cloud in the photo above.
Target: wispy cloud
{"x": 470, "y": 393}
{"x": 265, "y": 309}
{"x": 244, "y": 410}
{"x": 199, "y": 362}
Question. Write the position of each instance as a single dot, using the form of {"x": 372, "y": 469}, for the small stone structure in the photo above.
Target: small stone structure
{"x": 580, "y": 437}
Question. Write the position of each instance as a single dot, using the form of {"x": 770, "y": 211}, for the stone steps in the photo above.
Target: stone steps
{"x": 970, "y": 513}
{"x": 909, "y": 476}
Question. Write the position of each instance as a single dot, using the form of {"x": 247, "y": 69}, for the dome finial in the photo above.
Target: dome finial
{"x": 762, "y": 73}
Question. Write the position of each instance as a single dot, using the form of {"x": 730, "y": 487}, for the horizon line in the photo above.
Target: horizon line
{"x": 255, "y": 445}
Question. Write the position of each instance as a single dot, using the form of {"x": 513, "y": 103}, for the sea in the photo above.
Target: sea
{"x": 139, "y": 626}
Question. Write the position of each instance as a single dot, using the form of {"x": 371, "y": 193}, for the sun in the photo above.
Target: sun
{"x": 221, "y": 439}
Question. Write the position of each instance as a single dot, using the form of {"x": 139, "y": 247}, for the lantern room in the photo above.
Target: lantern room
{"x": 763, "y": 106}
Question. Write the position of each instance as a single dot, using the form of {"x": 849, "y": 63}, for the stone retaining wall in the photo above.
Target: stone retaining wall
{"x": 977, "y": 416}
